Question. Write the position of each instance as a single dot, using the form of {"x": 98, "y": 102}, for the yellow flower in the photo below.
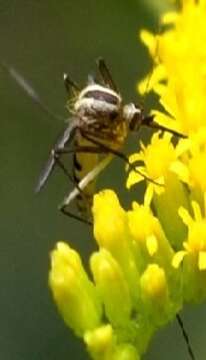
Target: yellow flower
{"x": 74, "y": 293}
{"x": 193, "y": 256}
{"x": 192, "y": 170}
{"x": 150, "y": 242}
{"x": 112, "y": 287}
{"x": 195, "y": 245}
{"x": 162, "y": 163}
{"x": 111, "y": 231}
{"x": 181, "y": 60}
{"x": 159, "y": 158}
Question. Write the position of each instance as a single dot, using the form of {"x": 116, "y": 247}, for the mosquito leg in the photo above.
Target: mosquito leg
{"x": 64, "y": 169}
{"x": 56, "y": 158}
{"x": 62, "y": 208}
{"x": 70, "y": 177}
{"x": 121, "y": 156}
{"x": 81, "y": 149}
{"x": 185, "y": 336}
{"x": 68, "y": 213}
{"x": 133, "y": 167}
{"x": 163, "y": 128}
{"x": 86, "y": 180}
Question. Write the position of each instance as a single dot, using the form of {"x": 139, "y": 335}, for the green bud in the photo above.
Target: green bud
{"x": 112, "y": 286}
{"x": 73, "y": 292}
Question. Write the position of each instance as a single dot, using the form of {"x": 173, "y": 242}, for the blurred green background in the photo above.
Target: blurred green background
{"x": 42, "y": 40}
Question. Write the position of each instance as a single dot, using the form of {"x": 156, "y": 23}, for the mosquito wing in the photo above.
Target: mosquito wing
{"x": 106, "y": 75}
{"x": 64, "y": 139}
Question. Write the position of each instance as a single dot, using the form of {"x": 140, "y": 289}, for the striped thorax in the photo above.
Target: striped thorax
{"x": 97, "y": 100}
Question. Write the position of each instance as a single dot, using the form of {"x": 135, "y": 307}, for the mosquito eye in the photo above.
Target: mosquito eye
{"x": 135, "y": 121}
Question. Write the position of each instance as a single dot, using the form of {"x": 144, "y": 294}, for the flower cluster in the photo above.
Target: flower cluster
{"x": 152, "y": 258}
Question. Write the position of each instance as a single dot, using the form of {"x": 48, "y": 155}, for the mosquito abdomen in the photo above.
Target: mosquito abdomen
{"x": 83, "y": 163}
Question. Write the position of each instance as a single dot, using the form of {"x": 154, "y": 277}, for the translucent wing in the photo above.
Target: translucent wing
{"x": 71, "y": 87}
{"x": 64, "y": 139}
{"x": 106, "y": 75}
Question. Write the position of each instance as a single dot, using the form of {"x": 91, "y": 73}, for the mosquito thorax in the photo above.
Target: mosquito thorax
{"x": 132, "y": 115}
{"x": 97, "y": 100}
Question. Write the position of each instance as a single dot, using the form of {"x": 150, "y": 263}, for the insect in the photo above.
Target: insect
{"x": 99, "y": 124}
{"x": 97, "y": 129}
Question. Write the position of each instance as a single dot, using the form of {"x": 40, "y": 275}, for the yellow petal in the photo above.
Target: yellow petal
{"x": 181, "y": 170}
{"x": 133, "y": 178}
{"x": 148, "y": 39}
{"x": 196, "y": 211}
{"x": 178, "y": 258}
{"x": 148, "y": 194}
{"x": 152, "y": 244}
{"x": 182, "y": 146}
{"x": 136, "y": 157}
{"x": 169, "y": 17}
{"x": 202, "y": 260}
{"x": 166, "y": 120}
{"x": 185, "y": 216}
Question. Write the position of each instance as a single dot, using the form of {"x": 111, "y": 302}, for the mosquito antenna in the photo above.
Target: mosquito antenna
{"x": 28, "y": 89}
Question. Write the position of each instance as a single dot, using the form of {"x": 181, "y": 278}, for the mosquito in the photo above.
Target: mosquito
{"x": 96, "y": 132}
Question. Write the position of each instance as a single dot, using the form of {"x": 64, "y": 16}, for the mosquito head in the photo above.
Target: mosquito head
{"x": 133, "y": 116}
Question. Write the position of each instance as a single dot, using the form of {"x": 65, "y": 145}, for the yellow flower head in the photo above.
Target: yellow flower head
{"x": 193, "y": 256}
{"x": 161, "y": 159}
{"x": 149, "y": 238}
{"x": 180, "y": 56}
{"x": 191, "y": 169}
{"x": 195, "y": 245}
